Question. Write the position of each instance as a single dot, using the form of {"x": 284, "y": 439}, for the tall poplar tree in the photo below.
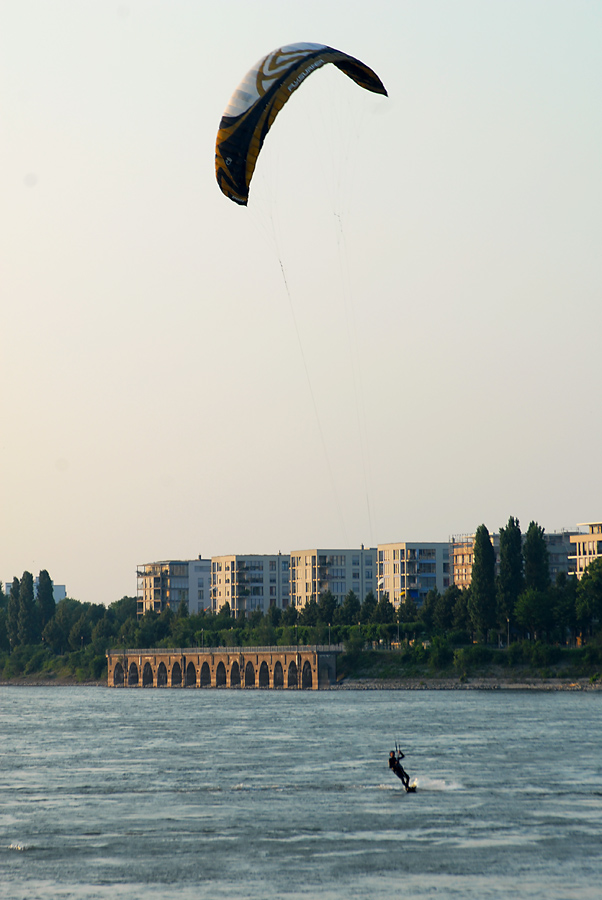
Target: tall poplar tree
{"x": 510, "y": 579}
{"x": 535, "y": 554}
{"x": 481, "y": 602}
{"x": 45, "y": 599}
{"x": 12, "y": 613}
{"x": 27, "y": 630}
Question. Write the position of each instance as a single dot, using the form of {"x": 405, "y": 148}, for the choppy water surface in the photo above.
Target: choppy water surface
{"x": 257, "y": 794}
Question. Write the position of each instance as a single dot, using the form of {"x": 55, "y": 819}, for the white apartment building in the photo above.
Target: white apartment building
{"x": 585, "y": 548}
{"x": 312, "y": 572}
{"x": 199, "y": 585}
{"x": 170, "y": 582}
{"x": 412, "y": 569}
{"x": 249, "y": 582}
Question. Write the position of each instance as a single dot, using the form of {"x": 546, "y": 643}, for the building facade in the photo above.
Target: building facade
{"x": 312, "y": 572}
{"x": 412, "y": 569}
{"x": 199, "y": 585}
{"x": 170, "y": 582}
{"x": 585, "y": 548}
{"x": 249, "y": 582}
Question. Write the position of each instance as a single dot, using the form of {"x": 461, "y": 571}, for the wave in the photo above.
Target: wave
{"x": 435, "y": 784}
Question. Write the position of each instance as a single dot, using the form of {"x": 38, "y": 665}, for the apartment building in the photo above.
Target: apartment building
{"x": 412, "y": 569}
{"x": 170, "y": 582}
{"x": 312, "y": 572}
{"x": 249, "y": 582}
{"x": 585, "y": 548}
{"x": 461, "y": 555}
{"x": 199, "y": 585}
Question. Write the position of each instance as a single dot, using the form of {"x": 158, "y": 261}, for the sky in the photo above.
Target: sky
{"x": 397, "y": 340}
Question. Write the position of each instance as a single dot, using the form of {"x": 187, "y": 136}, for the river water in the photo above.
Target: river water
{"x": 267, "y": 794}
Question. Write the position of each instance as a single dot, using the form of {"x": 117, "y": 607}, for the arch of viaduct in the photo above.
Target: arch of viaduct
{"x": 306, "y": 668}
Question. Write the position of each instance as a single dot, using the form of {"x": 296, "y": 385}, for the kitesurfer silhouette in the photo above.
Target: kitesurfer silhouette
{"x": 395, "y": 764}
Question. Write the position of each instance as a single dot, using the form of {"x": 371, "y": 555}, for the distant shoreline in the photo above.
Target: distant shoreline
{"x": 373, "y": 684}
{"x": 472, "y": 684}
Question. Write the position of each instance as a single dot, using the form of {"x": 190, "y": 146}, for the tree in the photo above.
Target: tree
{"x": 147, "y": 629}
{"x": 368, "y": 608}
{"x": 289, "y": 616}
{"x": 564, "y": 610}
{"x": 12, "y": 613}
{"x": 461, "y": 617}
{"x": 349, "y": 612}
{"x": 589, "y": 595}
{"x": 443, "y": 613}
{"x": 510, "y": 579}
{"x": 426, "y": 613}
{"x": 182, "y": 612}
{"x": 327, "y": 605}
{"x": 4, "y": 643}
{"x": 275, "y": 616}
{"x": 385, "y": 611}
{"x": 27, "y": 626}
{"x": 309, "y": 613}
{"x": 56, "y": 632}
{"x": 533, "y": 611}
{"x": 45, "y": 599}
{"x": 408, "y": 611}
{"x": 481, "y": 603}
{"x": 124, "y": 609}
{"x": 535, "y": 553}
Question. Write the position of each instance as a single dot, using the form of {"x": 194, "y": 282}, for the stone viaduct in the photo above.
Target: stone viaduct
{"x": 307, "y": 668}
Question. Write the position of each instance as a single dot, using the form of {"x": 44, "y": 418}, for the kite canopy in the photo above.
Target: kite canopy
{"x": 259, "y": 98}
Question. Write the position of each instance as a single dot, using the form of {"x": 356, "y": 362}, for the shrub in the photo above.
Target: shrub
{"x": 516, "y": 654}
{"x": 458, "y": 638}
{"x": 544, "y": 655}
{"x": 480, "y": 655}
{"x": 440, "y": 654}
{"x": 461, "y": 661}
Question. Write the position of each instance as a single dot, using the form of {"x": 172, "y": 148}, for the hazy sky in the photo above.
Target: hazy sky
{"x": 432, "y": 360}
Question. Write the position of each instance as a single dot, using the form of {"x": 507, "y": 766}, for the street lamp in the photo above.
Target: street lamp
{"x": 508, "y": 643}
{"x": 329, "y": 635}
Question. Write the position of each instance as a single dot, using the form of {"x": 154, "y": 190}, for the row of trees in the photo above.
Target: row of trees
{"x": 522, "y": 597}
{"x": 34, "y": 630}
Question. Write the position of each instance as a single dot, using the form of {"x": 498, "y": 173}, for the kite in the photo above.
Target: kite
{"x": 259, "y": 98}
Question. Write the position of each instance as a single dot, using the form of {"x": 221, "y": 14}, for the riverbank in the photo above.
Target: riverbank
{"x": 472, "y": 684}
{"x": 382, "y": 684}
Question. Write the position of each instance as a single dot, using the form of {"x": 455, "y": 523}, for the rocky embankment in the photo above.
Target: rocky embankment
{"x": 470, "y": 684}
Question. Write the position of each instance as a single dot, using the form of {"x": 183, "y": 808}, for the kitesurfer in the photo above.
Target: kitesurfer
{"x": 395, "y": 764}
